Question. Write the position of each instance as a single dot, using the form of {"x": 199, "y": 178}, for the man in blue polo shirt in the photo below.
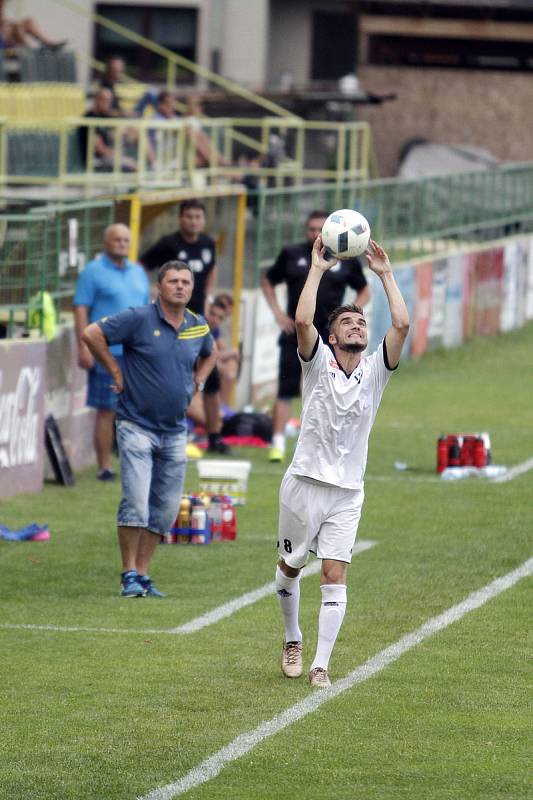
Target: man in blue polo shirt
{"x": 107, "y": 285}
{"x": 168, "y": 352}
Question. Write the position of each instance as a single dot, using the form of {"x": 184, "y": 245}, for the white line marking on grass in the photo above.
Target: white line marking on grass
{"x": 213, "y": 765}
{"x": 209, "y": 618}
{"x": 252, "y": 597}
{"x": 513, "y": 472}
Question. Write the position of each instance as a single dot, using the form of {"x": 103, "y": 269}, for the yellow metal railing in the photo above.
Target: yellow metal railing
{"x": 175, "y": 61}
{"x": 151, "y": 153}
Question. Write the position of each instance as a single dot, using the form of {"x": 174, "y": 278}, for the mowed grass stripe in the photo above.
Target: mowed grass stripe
{"x": 210, "y": 618}
{"x": 243, "y": 744}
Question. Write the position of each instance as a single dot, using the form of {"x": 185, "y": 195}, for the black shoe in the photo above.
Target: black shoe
{"x": 216, "y": 445}
{"x": 106, "y": 475}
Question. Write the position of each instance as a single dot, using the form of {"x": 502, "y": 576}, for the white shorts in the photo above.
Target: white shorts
{"x": 317, "y": 518}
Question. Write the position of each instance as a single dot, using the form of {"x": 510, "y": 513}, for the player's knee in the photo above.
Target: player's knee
{"x": 333, "y": 572}
{"x": 289, "y": 572}
{"x": 286, "y": 585}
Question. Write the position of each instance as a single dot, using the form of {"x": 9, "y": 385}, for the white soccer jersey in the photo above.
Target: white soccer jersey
{"x": 337, "y": 416}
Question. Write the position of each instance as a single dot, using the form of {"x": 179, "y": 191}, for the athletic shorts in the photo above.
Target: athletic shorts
{"x": 290, "y": 370}
{"x": 317, "y": 518}
{"x": 99, "y": 391}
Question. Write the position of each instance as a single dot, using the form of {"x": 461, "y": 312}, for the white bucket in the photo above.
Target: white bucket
{"x": 224, "y": 477}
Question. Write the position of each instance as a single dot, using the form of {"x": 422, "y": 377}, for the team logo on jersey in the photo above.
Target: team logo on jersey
{"x": 157, "y": 332}
{"x": 206, "y": 255}
{"x": 302, "y": 262}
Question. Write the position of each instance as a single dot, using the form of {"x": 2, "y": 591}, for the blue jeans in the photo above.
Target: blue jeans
{"x": 153, "y": 470}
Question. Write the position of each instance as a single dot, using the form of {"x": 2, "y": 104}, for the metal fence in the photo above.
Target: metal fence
{"x": 412, "y": 218}
{"x": 202, "y": 151}
{"x": 43, "y": 251}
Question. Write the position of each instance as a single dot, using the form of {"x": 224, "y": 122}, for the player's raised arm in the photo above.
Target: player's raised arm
{"x": 306, "y": 332}
{"x": 378, "y": 261}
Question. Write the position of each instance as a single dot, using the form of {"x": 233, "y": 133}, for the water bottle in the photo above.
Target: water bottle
{"x": 480, "y": 454}
{"x": 199, "y": 522}
{"x": 183, "y": 521}
{"x": 486, "y": 440}
{"x": 215, "y": 517}
{"x": 442, "y": 453}
{"x": 454, "y": 458}
{"x": 229, "y": 520}
{"x": 467, "y": 450}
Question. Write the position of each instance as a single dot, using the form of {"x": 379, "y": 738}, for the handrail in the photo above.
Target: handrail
{"x": 163, "y": 152}
{"x": 175, "y": 59}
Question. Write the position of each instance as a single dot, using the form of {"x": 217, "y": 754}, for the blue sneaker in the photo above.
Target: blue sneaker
{"x": 148, "y": 587}
{"x": 130, "y": 585}
{"x": 106, "y": 475}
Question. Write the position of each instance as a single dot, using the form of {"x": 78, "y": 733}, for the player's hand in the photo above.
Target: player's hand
{"x": 318, "y": 256}
{"x": 118, "y": 385}
{"x": 377, "y": 258}
{"x": 285, "y": 323}
{"x": 85, "y": 358}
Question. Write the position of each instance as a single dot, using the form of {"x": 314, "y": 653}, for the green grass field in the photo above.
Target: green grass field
{"x": 103, "y": 704}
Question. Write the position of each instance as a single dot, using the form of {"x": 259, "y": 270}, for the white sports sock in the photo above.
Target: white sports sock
{"x": 288, "y": 591}
{"x": 278, "y": 441}
{"x": 330, "y": 620}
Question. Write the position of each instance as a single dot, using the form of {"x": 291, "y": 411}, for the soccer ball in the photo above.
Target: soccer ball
{"x": 346, "y": 233}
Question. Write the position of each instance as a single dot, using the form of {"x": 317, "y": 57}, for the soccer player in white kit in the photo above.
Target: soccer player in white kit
{"x": 322, "y": 492}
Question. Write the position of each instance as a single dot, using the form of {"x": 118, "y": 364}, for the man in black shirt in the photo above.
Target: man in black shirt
{"x": 190, "y": 244}
{"x": 291, "y": 267}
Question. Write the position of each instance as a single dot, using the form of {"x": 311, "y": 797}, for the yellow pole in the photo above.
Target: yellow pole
{"x": 135, "y": 226}
{"x": 238, "y": 271}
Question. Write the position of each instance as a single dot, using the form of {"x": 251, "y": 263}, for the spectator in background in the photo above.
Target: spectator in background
{"x": 207, "y": 154}
{"x": 23, "y": 32}
{"x": 292, "y": 267}
{"x": 165, "y": 109}
{"x": 108, "y": 284}
{"x": 228, "y": 358}
{"x": 105, "y": 139}
{"x": 114, "y": 73}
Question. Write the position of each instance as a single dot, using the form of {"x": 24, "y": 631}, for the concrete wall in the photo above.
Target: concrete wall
{"x": 244, "y": 49}
{"x": 290, "y": 41}
{"x": 483, "y": 109}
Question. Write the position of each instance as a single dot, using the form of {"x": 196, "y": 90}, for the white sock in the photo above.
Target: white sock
{"x": 288, "y": 591}
{"x": 330, "y": 620}
{"x": 278, "y": 441}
